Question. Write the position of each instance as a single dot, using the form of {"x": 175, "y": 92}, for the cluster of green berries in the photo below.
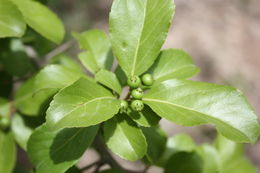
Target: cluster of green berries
{"x": 137, "y": 92}
{"x": 4, "y": 122}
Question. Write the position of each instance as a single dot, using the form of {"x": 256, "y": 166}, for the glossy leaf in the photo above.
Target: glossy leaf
{"x": 37, "y": 92}
{"x": 194, "y": 103}
{"x": 82, "y": 104}
{"x": 12, "y": 23}
{"x": 20, "y": 130}
{"x": 184, "y": 162}
{"x": 210, "y": 158}
{"x": 41, "y": 19}
{"x": 146, "y": 118}
{"x": 156, "y": 140}
{"x": 7, "y": 152}
{"x": 109, "y": 80}
{"x": 98, "y": 45}
{"x": 232, "y": 157}
{"x": 57, "y": 151}
{"x": 138, "y": 30}
{"x": 173, "y": 63}
{"x": 124, "y": 138}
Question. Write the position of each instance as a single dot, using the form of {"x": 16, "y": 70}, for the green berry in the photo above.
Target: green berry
{"x": 134, "y": 82}
{"x": 147, "y": 79}
{"x": 123, "y": 106}
{"x": 4, "y": 122}
{"x": 137, "y": 93}
{"x": 137, "y": 105}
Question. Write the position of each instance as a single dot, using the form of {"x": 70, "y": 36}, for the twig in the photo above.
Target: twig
{"x": 65, "y": 46}
{"x": 91, "y": 165}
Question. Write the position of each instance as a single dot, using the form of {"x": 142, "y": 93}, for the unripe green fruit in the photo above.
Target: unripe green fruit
{"x": 134, "y": 82}
{"x": 123, "y": 106}
{"x": 147, "y": 79}
{"x": 137, "y": 105}
{"x": 137, "y": 93}
{"x": 4, "y": 122}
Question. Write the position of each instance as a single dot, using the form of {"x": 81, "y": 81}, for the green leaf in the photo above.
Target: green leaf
{"x": 210, "y": 157}
{"x": 146, "y": 118}
{"x": 173, "y": 63}
{"x": 20, "y": 130}
{"x": 7, "y": 152}
{"x": 194, "y": 103}
{"x": 175, "y": 144}
{"x": 124, "y": 138}
{"x": 120, "y": 74}
{"x": 98, "y": 46}
{"x": 35, "y": 94}
{"x": 57, "y": 151}
{"x": 41, "y": 19}
{"x": 108, "y": 79}
{"x": 12, "y": 23}
{"x": 156, "y": 140}
{"x": 84, "y": 103}
{"x": 88, "y": 61}
{"x": 66, "y": 61}
{"x": 184, "y": 162}
{"x": 5, "y": 107}
{"x": 232, "y": 157}
{"x": 138, "y": 30}
{"x": 12, "y": 60}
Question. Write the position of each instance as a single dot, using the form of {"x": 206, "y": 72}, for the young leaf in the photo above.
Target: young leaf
{"x": 12, "y": 23}
{"x": 184, "y": 162}
{"x": 98, "y": 45}
{"x": 146, "y": 118}
{"x": 5, "y": 107}
{"x": 124, "y": 138}
{"x": 194, "y": 103}
{"x": 37, "y": 91}
{"x": 108, "y": 79}
{"x": 156, "y": 140}
{"x": 138, "y": 30}
{"x": 232, "y": 157}
{"x": 57, "y": 151}
{"x": 20, "y": 130}
{"x": 41, "y": 19}
{"x": 120, "y": 74}
{"x": 7, "y": 152}
{"x": 82, "y": 104}
{"x": 173, "y": 63}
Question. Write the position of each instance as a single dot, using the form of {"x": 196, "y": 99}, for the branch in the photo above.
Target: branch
{"x": 62, "y": 48}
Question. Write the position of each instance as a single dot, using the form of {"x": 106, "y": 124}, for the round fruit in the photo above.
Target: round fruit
{"x": 137, "y": 105}
{"x": 137, "y": 93}
{"x": 4, "y": 122}
{"x": 123, "y": 105}
{"x": 147, "y": 79}
{"x": 134, "y": 82}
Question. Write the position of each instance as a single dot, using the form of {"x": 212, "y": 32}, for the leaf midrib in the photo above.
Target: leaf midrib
{"x": 184, "y": 107}
{"x": 139, "y": 40}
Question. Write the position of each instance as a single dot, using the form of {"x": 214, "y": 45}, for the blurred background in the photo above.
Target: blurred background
{"x": 223, "y": 37}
